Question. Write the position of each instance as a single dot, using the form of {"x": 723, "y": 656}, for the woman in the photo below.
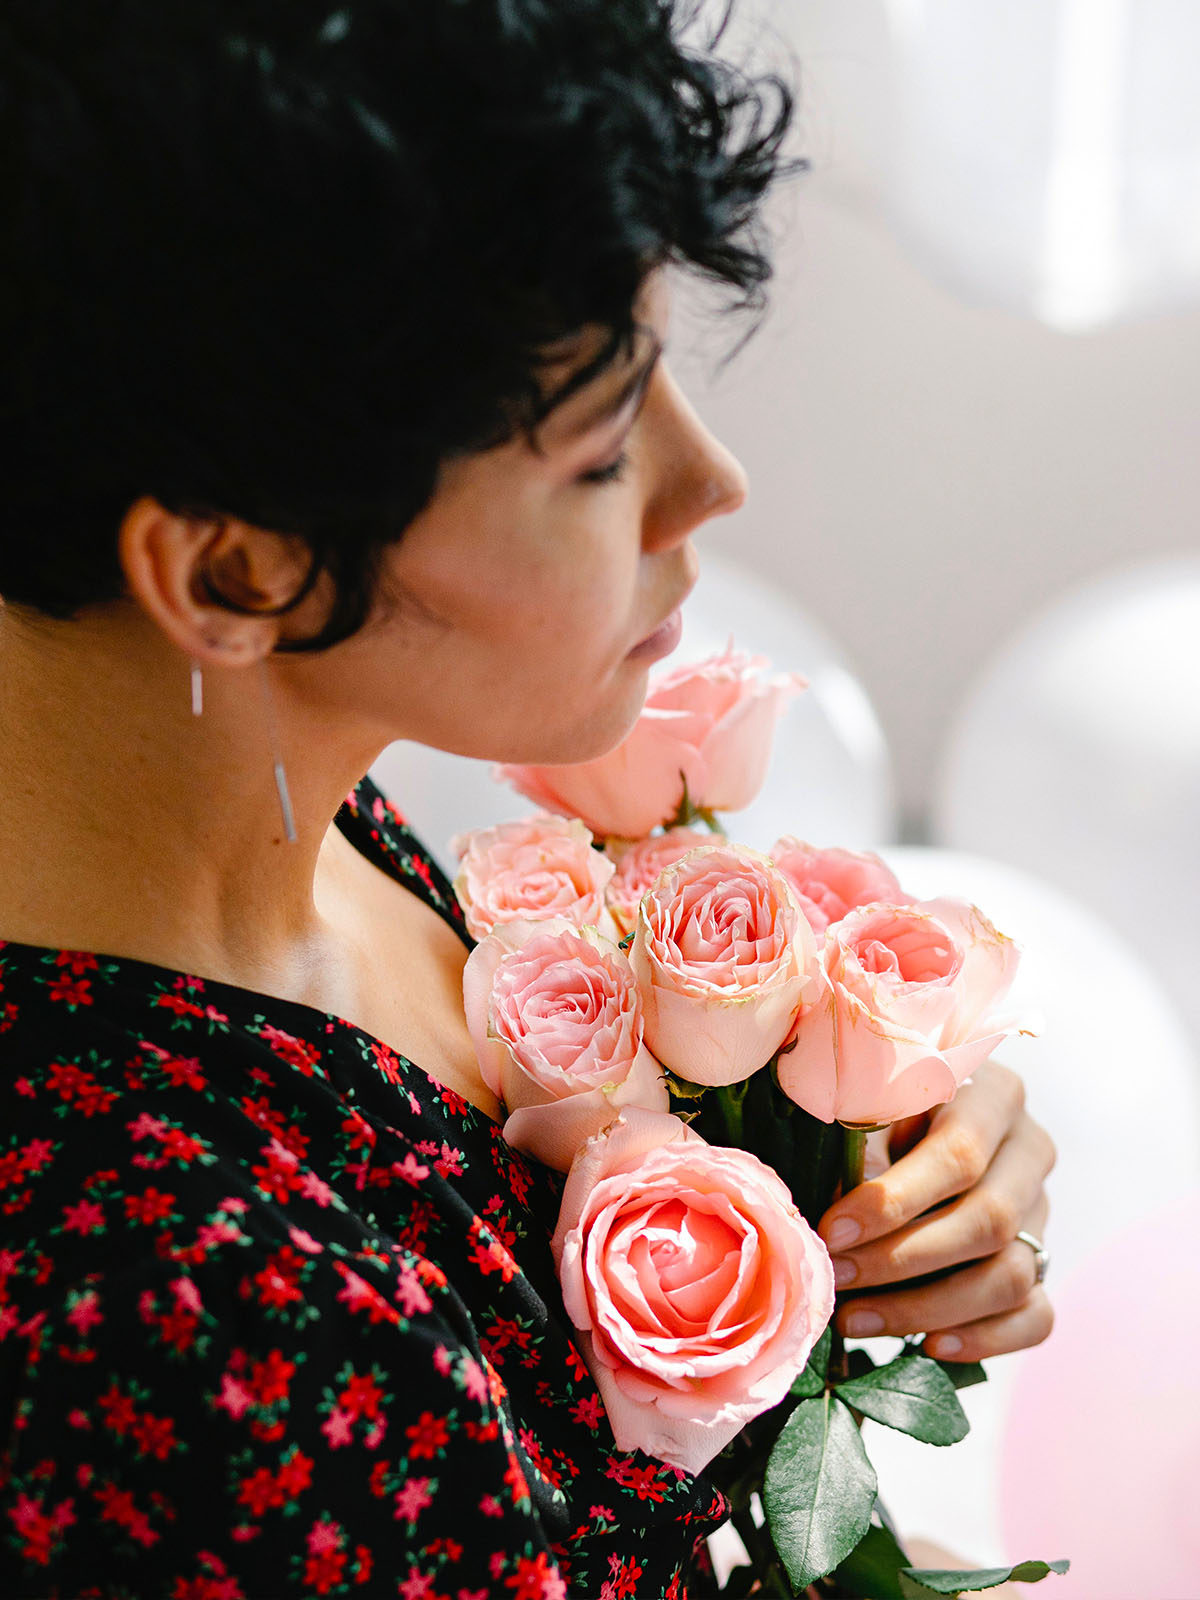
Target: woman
{"x": 335, "y": 413}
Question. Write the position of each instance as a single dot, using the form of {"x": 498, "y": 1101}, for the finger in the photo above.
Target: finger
{"x": 956, "y": 1152}
{"x": 996, "y": 1336}
{"x": 977, "y": 1224}
{"x": 985, "y": 1289}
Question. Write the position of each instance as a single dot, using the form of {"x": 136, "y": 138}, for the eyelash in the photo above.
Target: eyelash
{"x": 607, "y": 474}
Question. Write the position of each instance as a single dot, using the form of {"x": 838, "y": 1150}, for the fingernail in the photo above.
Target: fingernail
{"x": 844, "y": 1271}
{"x": 945, "y": 1344}
{"x": 844, "y": 1231}
{"x": 862, "y": 1324}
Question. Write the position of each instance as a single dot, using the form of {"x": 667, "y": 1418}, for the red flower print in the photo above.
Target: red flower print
{"x": 326, "y": 1557}
{"x": 514, "y": 1478}
{"x": 362, "y": 1563}
{"x": 644, "y": 1481}
{"x": 41, "y": 1533}
{"x": 412, "y": 1498}
{"x": 277, "y": 1174}
{"x": 83, "y": 1218}
{"x": 213, "y": 1582}
{"x": 588, "y": 1410}
{"x": 361, "y": 1396}
{"x": 269, "y": 1379}
{"x": 429, "y": 1435}
{"x": 359, "y": 1295}
{"x": 77, "y": 962}
{"x": 295, "y": 1474}
{"x": 118, "y": 1507}
{"x": 259, "y": 1492}
{"x": 72, "y": 991}
{"x": 278, "y": 1281}
{"x": 488, "y": 1254}
{"x": 338, "y": 1428}
{"x": 155, "y": 1436}
{"x": 35, "y": 1155}
{"x": 149, "y": 1206}
{"x": 182, "y": 1072}
{"x": 536, "y": 1578}
{"x": 12, "y": 1168}
{"x": 296, "y": 1052}
{"x": 119, "y": 1410}
{"x": 85, "y": 1314}
{"x": 419, "y": 1586}
{"x": 623, "y": 1581}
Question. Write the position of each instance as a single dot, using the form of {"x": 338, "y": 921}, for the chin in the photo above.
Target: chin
{"x": 582, "y": 740}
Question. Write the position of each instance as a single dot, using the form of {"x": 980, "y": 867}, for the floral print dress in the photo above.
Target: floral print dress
{"x": 278, "y": 1313}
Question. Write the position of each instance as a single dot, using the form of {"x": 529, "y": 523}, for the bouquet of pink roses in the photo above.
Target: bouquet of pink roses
{"x": 700, "y": 1036}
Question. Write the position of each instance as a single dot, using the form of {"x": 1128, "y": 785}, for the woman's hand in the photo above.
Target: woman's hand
{"x": 965, "y": 1180}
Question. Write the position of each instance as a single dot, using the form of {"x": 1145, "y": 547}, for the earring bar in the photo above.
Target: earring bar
{"x": 197, "y": 689}
{"x": 281, "y": 783}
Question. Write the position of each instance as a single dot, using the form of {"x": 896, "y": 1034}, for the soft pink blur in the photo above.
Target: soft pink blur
{"x": 535, "y": 867}
{"x": 905, "y": 1012}
{"x": 696, "y": 1287}
{"x": 1101, "y": 1454}
{"x": 710, "y": 724}
{"x": 554, "y": 1014}
{"x": 724, "y": 961}
{"x": 829, "y": 883}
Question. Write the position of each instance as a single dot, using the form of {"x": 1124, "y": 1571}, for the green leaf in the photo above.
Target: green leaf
{"x": 911, "y": 1394}
{"x": 812, "y": 1380}
{"x": 872, "y": 1569}
{"x": 962, "y": 1374}
{"x": 918, "y": 1583}
{"x": 818, "y": 1490}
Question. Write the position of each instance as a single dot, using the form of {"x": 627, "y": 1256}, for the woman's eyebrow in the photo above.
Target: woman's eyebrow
{"x": 633, "y": 388}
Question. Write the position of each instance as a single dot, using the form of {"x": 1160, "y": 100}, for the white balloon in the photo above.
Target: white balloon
{"x": 1112, "y": 1076}
{"x": 1077, "y": 756}
{"x": 1044, "y": 154}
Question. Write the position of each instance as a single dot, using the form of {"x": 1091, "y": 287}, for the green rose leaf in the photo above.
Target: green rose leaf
{"x": 872, "y": 1569}
{"x": 911, "y": 1394}
{"x": 918, "y": 1584}
{"x": 962, "y": 1374}
{"x": 812, "y": 1380}
{"x": 819, "y": 1489}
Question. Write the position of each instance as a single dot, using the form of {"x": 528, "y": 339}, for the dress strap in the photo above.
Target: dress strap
{"x": 376, "y": 828}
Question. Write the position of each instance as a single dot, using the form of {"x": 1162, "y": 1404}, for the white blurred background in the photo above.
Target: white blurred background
{"x": 970, "y": 425}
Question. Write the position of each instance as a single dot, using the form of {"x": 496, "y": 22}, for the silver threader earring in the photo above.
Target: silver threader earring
{"x": 197, "y": 689}
{"x": 281, "y": 785}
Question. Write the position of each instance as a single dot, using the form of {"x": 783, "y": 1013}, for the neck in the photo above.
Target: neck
{"x": 132, "y": 827}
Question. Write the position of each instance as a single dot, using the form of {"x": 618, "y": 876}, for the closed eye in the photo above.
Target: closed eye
{"x": 609, "y": 473}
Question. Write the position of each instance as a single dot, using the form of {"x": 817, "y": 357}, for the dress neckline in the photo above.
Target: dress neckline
{"x": 380, "y": 834}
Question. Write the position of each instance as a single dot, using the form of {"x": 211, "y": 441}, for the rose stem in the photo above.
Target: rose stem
{"x": 854, "y": 1155}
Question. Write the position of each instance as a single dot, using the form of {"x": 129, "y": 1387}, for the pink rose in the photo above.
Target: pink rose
{"x": 533, "y": 868}
{"x": 828, "y": 883}
{"x": 639, "y": 864}
{"x": 710, "y": 724}
{"x": 555, "y": 1017}
{"x": 724, "y": 961}
{"x": 697, "y": 1288}
{"x": 904, "y": 1014}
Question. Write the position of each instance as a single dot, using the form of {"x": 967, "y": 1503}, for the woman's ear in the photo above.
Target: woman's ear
{"x": 179, "y": 569}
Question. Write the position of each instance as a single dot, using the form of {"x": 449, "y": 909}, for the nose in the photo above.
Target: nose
{"x": 695, "y": 475}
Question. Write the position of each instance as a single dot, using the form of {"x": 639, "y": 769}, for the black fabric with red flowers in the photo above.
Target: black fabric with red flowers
{"x": 278, "y": 1313}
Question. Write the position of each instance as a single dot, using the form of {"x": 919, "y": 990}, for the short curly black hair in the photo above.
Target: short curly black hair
{"x": 279, "y": 259}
